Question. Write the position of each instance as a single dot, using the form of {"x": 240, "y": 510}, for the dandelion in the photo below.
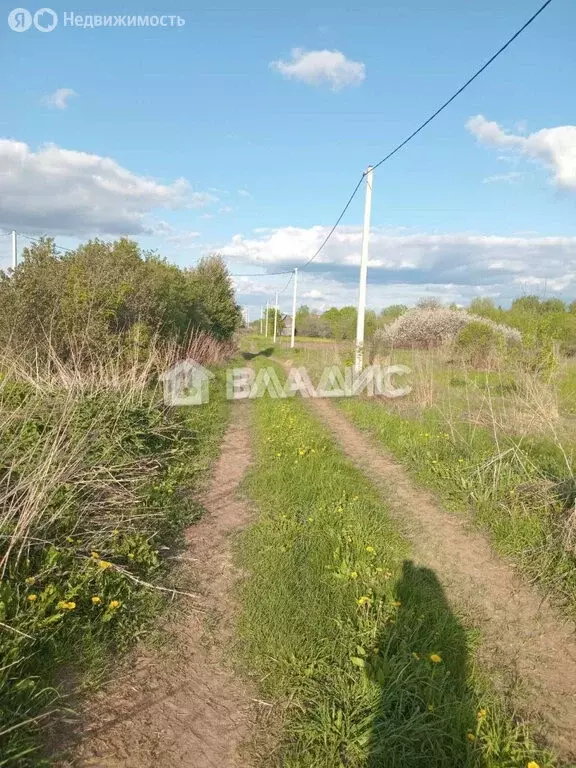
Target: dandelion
{"x": 96, "y": 600}
{"x": 435, "y": 658}
{"x": 30, "y": 580}
{"x": 470, "y": 736}
{"x": 353, "y": 575}
{"x": 431, "y": 707}
{"x": 482, "y": 714}
{"x": 115, "y": 532}
{"x": 104, "y": 564}
{"x": 32, "y": 598}
{"x": 95, "y": 555}
{"x": 113, "y": 604}
{"x": 532, "y": 764}
{"x": 364, "y": 600}
{"x": 65, "y": 605}
{"x": 370, "y": 550}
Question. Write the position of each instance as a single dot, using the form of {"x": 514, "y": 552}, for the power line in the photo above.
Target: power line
{"x": 264, "y": 274}
{"x": 466, "y": 84}
{"x": 338, "y": 220}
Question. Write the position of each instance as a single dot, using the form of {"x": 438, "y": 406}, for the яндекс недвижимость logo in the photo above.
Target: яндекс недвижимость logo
{"x": 20, "y": 20}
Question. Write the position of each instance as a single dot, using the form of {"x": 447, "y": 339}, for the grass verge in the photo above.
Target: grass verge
{"x": 95, "y": 488}
{"x": 519, "y": 489}
{"x": 358, "y": 644}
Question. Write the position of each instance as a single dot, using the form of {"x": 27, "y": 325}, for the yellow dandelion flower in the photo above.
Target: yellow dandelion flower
{"x": 31, "y": 580}
{"x": 370, "y": 550}
{"x": 482, "y": 714}
{"x": 96, "y": 600}
{"x": 431, "y": 707}
{"x": 65, "y": 605}
{"x": 115, "y": 532}
{"x": 435, "y": 658}
{"x": 533, "y": 764}
{"x": 32, "y": 598}
{"x": 353, "y": 575}
{"x": 95, "y": 555}
{"x": 470, "y": 736}
{"x": 364, "y": 600}
{"x": 113, "y": 604}
{"x": 104, "y": 564}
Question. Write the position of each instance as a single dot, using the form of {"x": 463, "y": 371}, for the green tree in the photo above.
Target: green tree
{"x": 213, "y": 295}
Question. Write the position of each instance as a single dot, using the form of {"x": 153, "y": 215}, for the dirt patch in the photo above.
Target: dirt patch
{"x": 186, "y": 707}
{"x": 522, "y": 633}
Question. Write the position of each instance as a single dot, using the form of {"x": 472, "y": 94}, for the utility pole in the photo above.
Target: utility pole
{"x": 275, "y": 318}
{"x": 266, "y": 321}
{"x": 14, "y": 249}
{"x": 359, "y": 361}
{"x": 261, "y": 319}
{"x": 294, "y": 308}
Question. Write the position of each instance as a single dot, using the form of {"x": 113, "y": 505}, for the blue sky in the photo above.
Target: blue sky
{"x": 210, "y": 145}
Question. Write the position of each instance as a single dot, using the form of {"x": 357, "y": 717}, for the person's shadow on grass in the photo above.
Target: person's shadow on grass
{"x": 427, "y": 714}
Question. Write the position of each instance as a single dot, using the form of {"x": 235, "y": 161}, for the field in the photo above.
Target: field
{"x": 287, "y": 581}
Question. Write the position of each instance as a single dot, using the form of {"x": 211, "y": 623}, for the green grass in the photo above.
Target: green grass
{"x": 503, "y": 482}
{"x": 359, "y": 645}
{"x": 117, "y": 491}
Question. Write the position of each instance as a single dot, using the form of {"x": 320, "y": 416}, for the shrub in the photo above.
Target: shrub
{"x": 426, "y": 328}
{"x": 477, "y": 342}
{"x": 92, "y": 299}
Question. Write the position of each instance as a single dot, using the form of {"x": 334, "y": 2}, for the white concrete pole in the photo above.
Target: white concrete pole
{"x": 266, "y": 320}
{"x": 294, "y": 308}
{"x": 359, "y": 361}
{"x": 261, "y": 320}
{"x": 275, "y": 317}
{"x": 14, "y": 249}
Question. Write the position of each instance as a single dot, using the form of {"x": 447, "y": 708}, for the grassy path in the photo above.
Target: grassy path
{"x": 523, "y": 633}
{"x": 357, "y": 642}
{"x": 187, "y": 707}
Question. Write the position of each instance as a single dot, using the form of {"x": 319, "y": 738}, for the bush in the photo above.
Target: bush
{"x": 426, "y": 328}
{"x": 477, "y": 342}
{"x": 94, "y": 298}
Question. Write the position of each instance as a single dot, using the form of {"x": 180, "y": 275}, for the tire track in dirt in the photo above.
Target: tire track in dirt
{"x": 523, "y": 635}
{"x": 188, "y": 709}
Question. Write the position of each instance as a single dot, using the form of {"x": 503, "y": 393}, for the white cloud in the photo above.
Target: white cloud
{"x": 59, "y": 99}
{"x": 456, "y": 266}
{"x": 321, "y": 68}
{"x": 506, "y": 177}
{"x": 64, "y": 192}
{"x": 553, "y": 147}
{"x": 244, "y": 193}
